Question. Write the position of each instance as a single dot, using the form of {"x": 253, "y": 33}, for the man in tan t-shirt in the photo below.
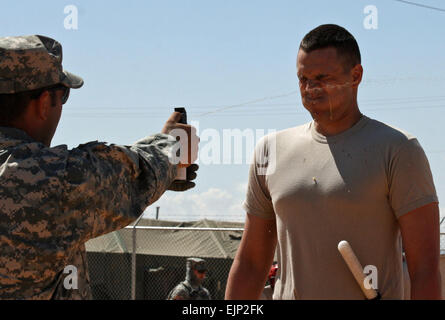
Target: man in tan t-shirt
{"x": 342, "y": 176}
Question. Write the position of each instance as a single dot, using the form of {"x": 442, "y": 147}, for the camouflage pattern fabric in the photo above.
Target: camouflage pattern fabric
{"x": 185, "y": 291}
{"x": 52, "y": 200}
{"x": 32, "y": 62}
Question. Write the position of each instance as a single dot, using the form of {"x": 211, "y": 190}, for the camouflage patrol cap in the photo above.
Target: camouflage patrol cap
{"x": 196, "y": 264}
{"x": 32, "y": 62}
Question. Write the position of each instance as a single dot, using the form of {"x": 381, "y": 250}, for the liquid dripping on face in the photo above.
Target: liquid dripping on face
{"x": 331, "y": 113}
{"x": 330, "y": 109}
{"x": 345, "y": 84}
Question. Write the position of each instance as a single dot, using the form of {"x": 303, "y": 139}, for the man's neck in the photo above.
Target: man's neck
{"x": 337, "y": 126}
{"x": 32, "y": 130}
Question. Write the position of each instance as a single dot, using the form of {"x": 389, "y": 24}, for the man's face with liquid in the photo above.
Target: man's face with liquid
{"x": 325, "y": 84}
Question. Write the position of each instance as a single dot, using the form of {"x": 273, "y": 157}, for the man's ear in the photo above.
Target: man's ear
{"x": 357, "y": 74}
{"x": 42, "y": 105}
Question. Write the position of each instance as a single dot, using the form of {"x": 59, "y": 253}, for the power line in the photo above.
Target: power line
{"x": 420, "y": 5}
{"x": 260, "y": 112}
{"x": 248, "y": 102}
{"x": 150, "y": 109}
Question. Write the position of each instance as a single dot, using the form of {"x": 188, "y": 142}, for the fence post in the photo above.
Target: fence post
{"x": 133, "y": 261}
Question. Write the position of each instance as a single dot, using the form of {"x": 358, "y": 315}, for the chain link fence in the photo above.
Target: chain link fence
{"x": 146, "y": 262}
{"x": 157, "y": 262}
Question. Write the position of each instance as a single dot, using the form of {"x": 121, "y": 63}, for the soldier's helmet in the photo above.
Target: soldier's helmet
{"x": 197, "y": 264}
{"x": 32, "y": 62}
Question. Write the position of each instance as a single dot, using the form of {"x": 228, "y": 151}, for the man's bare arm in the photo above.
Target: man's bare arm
{"x": 253, "y": 259}
{"x": 420, "y": 233}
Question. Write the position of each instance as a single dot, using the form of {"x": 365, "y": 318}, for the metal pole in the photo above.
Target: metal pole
{"x": 133, "y": 261}
{"x": 157, "y": 212}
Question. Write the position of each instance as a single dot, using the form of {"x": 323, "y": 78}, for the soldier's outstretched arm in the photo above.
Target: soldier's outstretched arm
{"x": 106, "y": 187}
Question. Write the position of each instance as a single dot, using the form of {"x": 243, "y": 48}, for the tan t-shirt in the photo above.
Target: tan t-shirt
{"x": 321, "y": 190}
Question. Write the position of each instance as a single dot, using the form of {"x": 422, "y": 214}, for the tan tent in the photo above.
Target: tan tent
{"x": 215, "y": 244}
{"x": 160, "y": 258}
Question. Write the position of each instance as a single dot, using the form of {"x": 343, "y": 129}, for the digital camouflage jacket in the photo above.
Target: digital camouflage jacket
{"x": 53, "y": 200}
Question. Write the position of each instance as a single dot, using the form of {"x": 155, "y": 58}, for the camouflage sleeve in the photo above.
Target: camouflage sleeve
{"x": 179, "y": 293}
{"x": 106, "y": 187}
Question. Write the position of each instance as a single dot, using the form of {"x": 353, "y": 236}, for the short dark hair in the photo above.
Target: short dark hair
{"x": 332, "y": 35}
{"x": 13, "y": 105}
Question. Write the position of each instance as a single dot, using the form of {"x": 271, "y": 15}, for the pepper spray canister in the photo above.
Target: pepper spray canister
{"x": 181, "y": 172}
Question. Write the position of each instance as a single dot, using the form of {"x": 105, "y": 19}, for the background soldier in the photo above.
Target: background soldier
{"x": 52, "y": 200}
{"x": 191, "y": 288}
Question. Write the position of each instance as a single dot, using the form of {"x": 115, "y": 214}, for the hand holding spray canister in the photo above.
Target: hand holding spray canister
{"x": 182, "y": 172}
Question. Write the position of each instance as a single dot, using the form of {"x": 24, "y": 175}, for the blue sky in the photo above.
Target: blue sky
{"x": 141, "y": 58}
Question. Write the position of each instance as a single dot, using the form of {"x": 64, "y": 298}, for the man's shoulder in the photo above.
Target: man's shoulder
{"x": 297, "y": 131}
{"x": 179, "y": 290}
{"x": 40, "y": 162}
{"x": 390, "y": 130}
{"x": 21, "y": 146}
{"x": 386, "y": 134}
{"x": 300, "y": 130}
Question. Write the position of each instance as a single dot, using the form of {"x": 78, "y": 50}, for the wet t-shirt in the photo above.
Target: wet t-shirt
{"x": 353, "y": 186}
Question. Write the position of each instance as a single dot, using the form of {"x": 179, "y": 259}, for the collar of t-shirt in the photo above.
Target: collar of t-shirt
{"x": 338, "y": 137}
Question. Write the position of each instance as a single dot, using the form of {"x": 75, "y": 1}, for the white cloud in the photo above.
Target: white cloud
{"x": 214, "y": 203}
{"x": 242, "y": 187}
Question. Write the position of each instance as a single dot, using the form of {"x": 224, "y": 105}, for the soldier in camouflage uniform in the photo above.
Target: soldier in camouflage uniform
{"x": 52, "y": 200}
{"x": 191, "y": 288}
